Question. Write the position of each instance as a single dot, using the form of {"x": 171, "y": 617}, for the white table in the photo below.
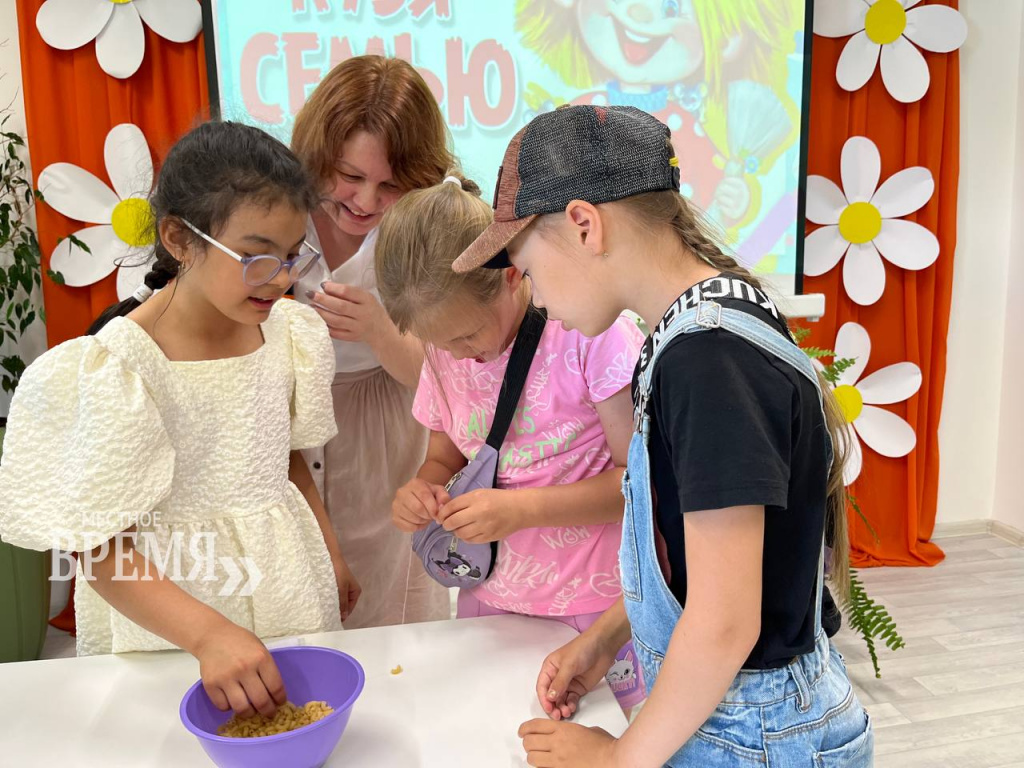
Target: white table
{"x": 465, "y": 688}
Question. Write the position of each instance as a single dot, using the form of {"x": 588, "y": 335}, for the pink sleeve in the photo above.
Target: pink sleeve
{"x": 609, "y": 359}
{"x": 425, "y": 407}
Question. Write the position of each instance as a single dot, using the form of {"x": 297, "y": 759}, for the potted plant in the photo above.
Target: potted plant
{"x": 24, "y": 574}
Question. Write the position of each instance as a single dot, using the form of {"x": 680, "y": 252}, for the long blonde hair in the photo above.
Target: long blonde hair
{"x": 420, "y": 237}
{"x": 668, "y": 210}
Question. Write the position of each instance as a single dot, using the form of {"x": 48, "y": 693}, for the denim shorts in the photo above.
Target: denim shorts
{"x": 804, "y": 715}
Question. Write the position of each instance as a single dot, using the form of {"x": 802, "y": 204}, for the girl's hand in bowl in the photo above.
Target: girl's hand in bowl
{"x": 239, "y": 673}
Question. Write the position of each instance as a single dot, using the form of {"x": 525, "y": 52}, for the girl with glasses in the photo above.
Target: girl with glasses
{"x": 164, "y": 447}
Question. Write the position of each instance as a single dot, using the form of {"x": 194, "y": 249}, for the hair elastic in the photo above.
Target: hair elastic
{"x": 452, "y": 180}
{"x": 142, "y": 293}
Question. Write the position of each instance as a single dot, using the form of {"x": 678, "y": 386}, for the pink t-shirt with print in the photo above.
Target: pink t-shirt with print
{"x": 556, "y": 438}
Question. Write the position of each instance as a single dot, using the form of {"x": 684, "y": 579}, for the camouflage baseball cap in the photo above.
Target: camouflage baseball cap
{"x": 591, "y": 153}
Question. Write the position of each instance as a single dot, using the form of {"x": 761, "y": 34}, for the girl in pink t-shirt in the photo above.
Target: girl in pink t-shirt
{"x": 557, "y": 508}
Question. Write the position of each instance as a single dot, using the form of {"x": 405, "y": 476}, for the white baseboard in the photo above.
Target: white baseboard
{"x": 977, "y": 527}
{"x": 1008, "y": 532}
{"x": 963, "y": 528}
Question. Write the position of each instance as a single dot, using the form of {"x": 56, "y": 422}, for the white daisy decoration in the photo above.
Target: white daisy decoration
{"x": 862, "y": 221}
{"x": 116, "y": 26}
{"x": 122, "y": 215}
{"x": 890, "y": 31}
{"x": 882, "y": 431}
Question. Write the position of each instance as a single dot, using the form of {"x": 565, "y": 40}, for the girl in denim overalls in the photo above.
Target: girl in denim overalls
{"x": 734, "y": 470}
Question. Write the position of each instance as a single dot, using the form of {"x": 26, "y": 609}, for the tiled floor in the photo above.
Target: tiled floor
{"x": 955, "y": 695}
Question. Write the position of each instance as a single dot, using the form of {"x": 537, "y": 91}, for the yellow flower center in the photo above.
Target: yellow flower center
{"x": 133, "y": 222}
{"x": 885, "y": 22}
{"x": 860, "y": 223}
{"x": 120, "y": 2}
{"x": 850, "y": 401}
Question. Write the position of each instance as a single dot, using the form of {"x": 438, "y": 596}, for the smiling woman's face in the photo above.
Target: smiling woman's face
{"x": 364, "y": 187}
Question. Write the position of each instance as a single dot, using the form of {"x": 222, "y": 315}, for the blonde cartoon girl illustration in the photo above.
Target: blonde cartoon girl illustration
{"x": 714, "y": 71}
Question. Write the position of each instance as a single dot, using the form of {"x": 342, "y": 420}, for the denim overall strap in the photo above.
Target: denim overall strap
{"x": 708, "y": 315}
{"x": 756, "y": 723}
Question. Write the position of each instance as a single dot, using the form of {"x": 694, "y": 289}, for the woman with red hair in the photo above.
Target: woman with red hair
{"x": 369, "y": 133}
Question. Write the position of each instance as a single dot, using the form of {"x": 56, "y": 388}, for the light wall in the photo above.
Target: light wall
{"x": 979, "y": 413}
{"x": 1009, "y": 502}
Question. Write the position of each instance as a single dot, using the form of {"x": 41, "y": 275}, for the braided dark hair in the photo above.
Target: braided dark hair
{"x": 212, "y": 170}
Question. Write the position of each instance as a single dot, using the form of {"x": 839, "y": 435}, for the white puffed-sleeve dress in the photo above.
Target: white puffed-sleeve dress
{"x": 105, "y": 433}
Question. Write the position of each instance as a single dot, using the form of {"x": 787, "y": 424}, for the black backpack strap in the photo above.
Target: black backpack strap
{"x": 523, "y": 350}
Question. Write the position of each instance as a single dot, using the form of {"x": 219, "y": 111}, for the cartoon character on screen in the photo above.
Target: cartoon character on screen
{"x": 457, "y": 565}
{"x": 714, "y": 71}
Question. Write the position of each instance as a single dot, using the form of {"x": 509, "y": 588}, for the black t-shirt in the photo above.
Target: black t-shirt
{"x": 732, "y": 425}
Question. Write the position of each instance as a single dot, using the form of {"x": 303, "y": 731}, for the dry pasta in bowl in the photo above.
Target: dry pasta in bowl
{"x": 287, "y": 718}
{"x": 297, "y": 736}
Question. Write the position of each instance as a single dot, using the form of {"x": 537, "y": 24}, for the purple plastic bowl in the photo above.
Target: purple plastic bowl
{"x": 310, "y": 673}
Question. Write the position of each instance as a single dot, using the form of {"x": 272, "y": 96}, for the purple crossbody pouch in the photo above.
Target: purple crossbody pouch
{"x": 447, "y": 559}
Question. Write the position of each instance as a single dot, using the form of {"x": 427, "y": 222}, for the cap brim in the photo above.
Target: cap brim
{"x": 490, "y": 243}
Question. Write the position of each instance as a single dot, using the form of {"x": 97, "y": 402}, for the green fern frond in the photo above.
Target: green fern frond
{"x": 866, "y": 617}
{"x": 871, "y": 621}
{"x": 836, "y": 368}
{"x": 799, "y": 333}
{"x": 816, "y": 353}
{"x": 864, "y": 518}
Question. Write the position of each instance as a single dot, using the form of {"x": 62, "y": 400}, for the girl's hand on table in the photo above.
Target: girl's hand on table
{"x": 571, "y": 672}
{"x": 239, "y": 673}
{"x": 567, "y": 745}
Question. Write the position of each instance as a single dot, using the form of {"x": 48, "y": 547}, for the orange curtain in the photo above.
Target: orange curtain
{"x": 909, "y": 322}
{"x": 70, "y": 105}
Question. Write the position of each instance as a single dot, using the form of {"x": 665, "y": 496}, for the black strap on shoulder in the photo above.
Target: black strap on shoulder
{"x": 723, "y": 286}
{"x": 523, "y": 350}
